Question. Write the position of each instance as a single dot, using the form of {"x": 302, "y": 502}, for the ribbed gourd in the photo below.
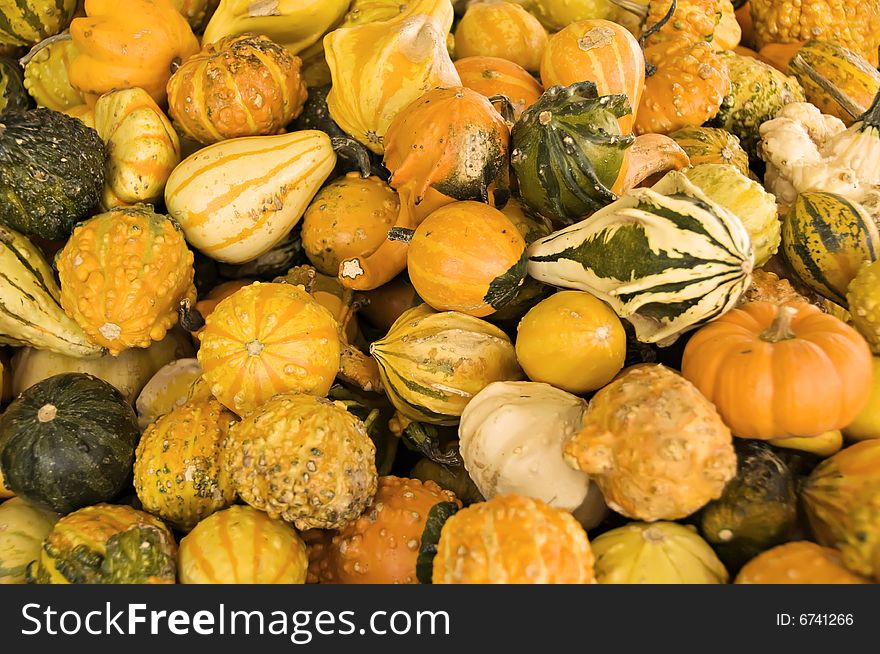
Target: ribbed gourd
{"x": 432, "y": 364}
{"x": 492, "y": 76}
{"x": 712, "y": 145}
{"x": 666, "y": 258}
{"x": 180, "y": 473}
{"x": 123, "y": 275}
{"x": 26, "y": 22}
{"x": 45, "y": 75}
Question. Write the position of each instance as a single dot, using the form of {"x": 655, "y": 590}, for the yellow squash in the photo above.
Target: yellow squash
{"x": 45, "y": 74}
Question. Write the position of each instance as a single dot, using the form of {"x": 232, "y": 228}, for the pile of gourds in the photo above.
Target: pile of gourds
{"x": 486, "y": 291}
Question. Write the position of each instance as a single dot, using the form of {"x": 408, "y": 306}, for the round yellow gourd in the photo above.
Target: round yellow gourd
{"x": 571, "y": 340}
{"x": 241, "y": 545}
{"x": 867, "y": 423}
{"x": 656, "y": 553}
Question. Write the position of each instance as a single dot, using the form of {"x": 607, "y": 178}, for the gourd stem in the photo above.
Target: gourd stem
{"x": 351, "y": 149}
{"x": 371, "y": 419}
{"x": 800, "y": 65}
{"x": 650, "y": 68}
{"x": 507, "y": 111}
{"x": 401, "y": 234}
{"x": 634, "y": 8}
{"x": 781, "y": 329}
{"x": 871, "y": 118}
{"x": 64, "y": 36}
{"x": 190, "y": 317}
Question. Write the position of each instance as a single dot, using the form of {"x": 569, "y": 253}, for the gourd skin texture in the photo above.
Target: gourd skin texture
{"x": 663, "y": 457}
{"x": 515, "y": 540}
{"x": 863, "y": 303}
{"x": 179, "y": 471}
{"x": 206, "y": 305}
{"x": 695, "y": 20}
{"x": 241, "y": 545}
{"x": 382, "y": 545}
{"x": 166, "y": 390}
{"x": 304, "y": 459}
{"x": 239, "y": 86}
{"x": 23, "y": 527}
{"x": 123, "y": 274}
{"x": 46, "y": 79}
{"x": 501, "y": 29}
{"x": 267, "y": 339}
{"x": 13, "y": 96}
{"x": 490, "y": 76}
{"x": 798, "y": 562}
{"x": 30, "y": 22}
{"x": 712, "y": 145}
{"x": 866, "y": 425}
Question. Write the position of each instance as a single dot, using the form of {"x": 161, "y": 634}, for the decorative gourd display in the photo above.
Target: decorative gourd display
{"x": 797, "y": 562}
{"x": 45, "y": 74}
{"x": 23, "y": 527}
{"x": 266, "y": 339}
{"x": 241, "y": 545}
{"x": 68, "y": 442}
{"x": 761, "y": 353}
{"x": 746, "y": 199}
{"x": 179, "y": 470}
{"x": 106, "y": 544}
{"x": 866, "y": 425}
{"x": 491, "y": 77}
{"x": 305, "y": 459}
{"x": 142, "y": 148}
{"x": 638, "y": 255}
{"x": 494, "y": 28}
{"x": 30, "y": 300}
{"x": 380, "y": 68}
{"x": 571, "y": 340}
{"x": 295, "y": 24}
{"x": 842, "y": 502}
{"x": 466, "y": 257}
{"x": 350, "y": 217}
{"x": 447, "y": 358}
{"x": 828, "y": 265}
{"x": 602, "y": 52}
{"x": 239, "y": 86}
{"x": 656, "y": 447}
{"x": 757, "y": 509}
{"x": 381, "y": 546}
{"x": 689, "y": 83}
{"x": 542, "y": 545}
{"x": 197, "y": 12}
{"x": 123, "y": 274}
{"x": 133, "y": 44}
{"x": 26, "y": 22}
{"x": 656, "y": 553}
{"x": 711, "y": 145}
{"x": 13, "y": 96}
{"x": 270, "y": 180}
{"x": 51, "y": 172}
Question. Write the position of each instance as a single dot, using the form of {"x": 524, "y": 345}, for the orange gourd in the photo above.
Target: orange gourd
{"x": 780, "y": 371}
{"x": 695, "y": 20}
{"x": 779, "y": 54}
{"x": 797, "y": 562}
{"x": 492, "y": 76}
{"x": 494, "y": 28}
{"x": 121, "y": 45}
{"x": 598, "y": 51}
{"x": 239, "y": 86}
{"x": 220, "y": 292}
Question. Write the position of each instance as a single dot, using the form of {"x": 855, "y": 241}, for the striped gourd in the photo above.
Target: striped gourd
{"x": 26, "y": 22}
{"x": 491, "y": 76}
{"x": 23, "y": 527}
{"x": 666, "y": 258}
{"x": 826, "y": 239}
{"x": 30, "y": 301}
{"x": 237, "y": 199}
{"x": 712, "y": 145}
{"x": 432, "y": 364}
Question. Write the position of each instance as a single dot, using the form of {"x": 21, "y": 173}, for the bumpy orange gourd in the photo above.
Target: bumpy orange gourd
{"x": 491, "y": 76}
{"x": 266, "y": 339}
{"x": 780, "y": 371}
{"x": 240, "y": 86}
{"x": 655, "y": 446}
{"x": 127, "y": 44}
{"x": 494, "y": 28}
{"x": 515, "y": 540}
{"x": 687, "y": 88}
{"x": 123, "y": 275}
{"x": 467, "y": 257}
{"x": 798, "y": 562}
{"x": 381, "y": 546}
{"x": 695, "y": 20}
{"x": 598, "y": 51}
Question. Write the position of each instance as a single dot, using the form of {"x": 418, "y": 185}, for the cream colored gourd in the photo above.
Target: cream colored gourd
{"x": 238, "y": 198}
{"x": 168, "y": 389}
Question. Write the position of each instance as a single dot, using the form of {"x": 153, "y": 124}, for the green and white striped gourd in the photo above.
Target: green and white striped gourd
{"x": 667, "y": 258}
{"x": 26, "y": 22}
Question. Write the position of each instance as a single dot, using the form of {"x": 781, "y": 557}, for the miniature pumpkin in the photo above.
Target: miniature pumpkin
{"x": 541, "y": 545}
{"x": 132, "y": 44}
{"x": 207, "y": 304}
{"x": 599, "y": 51}
{"x": 266, "y": 339}
{"x": 179, "y": 471}
{"x": 46, "y": 77}
{"x": 491, "y": 76}
{"x": 750, "y": 359}
{"x": 712, "y": 145}
{"x": 239, "y": 86}
{"x": 655, "y": 446}
{"x": 493, "y": 28}
{"x": 797, "y": 562}
{"x": 467, "y": 257}
{"x": 304, "y": 459}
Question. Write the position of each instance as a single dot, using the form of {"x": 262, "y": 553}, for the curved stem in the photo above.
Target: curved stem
{"x": 781, "y": 329}
{"x": 656, "y": 27}
{"x": 351, "y": 149}
{"x": 800, "y": 65}
{"x": 190, "y": 317}
{"x": 64, "y": 36}
{"x": 507, "y": 111}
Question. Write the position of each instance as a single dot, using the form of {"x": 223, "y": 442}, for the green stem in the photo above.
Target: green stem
{"x": 64, "y": 36}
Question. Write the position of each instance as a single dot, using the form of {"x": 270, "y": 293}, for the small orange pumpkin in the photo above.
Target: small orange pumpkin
{"x": 598, "y": 51}
{"x": 240, "y": 86}
{"x": 493, "y": 28}
{"x": 780, "y": 371}
{"x": 467, "y": 257}
{"x": 206, "y": 305}
{"x": 491, "y": 76}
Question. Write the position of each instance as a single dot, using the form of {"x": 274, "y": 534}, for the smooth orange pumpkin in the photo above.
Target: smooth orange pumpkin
{"x": 494, "y": 28}
{"x": 491, "y": 76}
{"x": 598, "y": 51}
{"x": 780, "y": 371}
